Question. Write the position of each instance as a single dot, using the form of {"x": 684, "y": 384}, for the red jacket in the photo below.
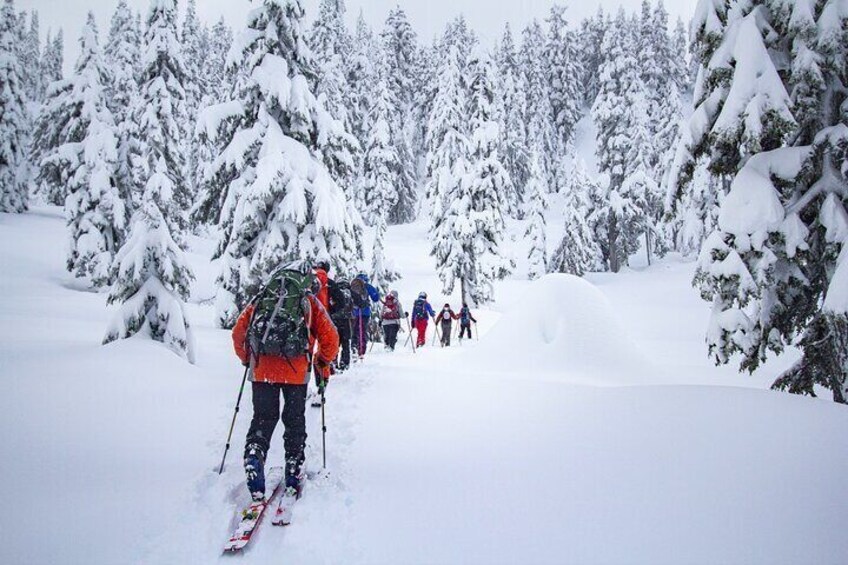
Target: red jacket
{"x": 324, "y": 293}
{"x": 446, "y": 316}
{"x": 277, "y": 370}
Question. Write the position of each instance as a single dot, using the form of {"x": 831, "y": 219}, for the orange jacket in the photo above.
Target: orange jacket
{"x": 278, "y": 370}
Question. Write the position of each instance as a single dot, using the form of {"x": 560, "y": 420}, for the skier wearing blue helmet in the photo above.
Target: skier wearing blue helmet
{"x": 361, "y": 291}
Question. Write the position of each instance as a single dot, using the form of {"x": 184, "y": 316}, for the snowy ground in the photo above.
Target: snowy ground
{"x": 585, "y": 426}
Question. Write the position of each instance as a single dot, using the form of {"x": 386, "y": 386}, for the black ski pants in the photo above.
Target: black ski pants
{"x": 463, "y": 328}
{"x": 266, "y": 414}
{"x": 391, "y": 332}
{"x": 343, "y": 327}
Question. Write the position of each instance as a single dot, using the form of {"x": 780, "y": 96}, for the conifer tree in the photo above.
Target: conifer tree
{"x": 401, "y": 46}
{"x": 361, "y": 80}
{"x": 87, "y": 158}
{"x": 591, "y": 35}
{"x": 619, "y": 114}
{"x": 53, "y": 59}
{"x": 486, "y": 182}
{"x": 514, "y": 151}
{"x": 122, "y": 54}
{"x": 31, "y": 60}
{"x": 536, "y": 224}
{"x": 161, "y": 113}
{"x": 331, "y": 45}
{"x": 564, "y": 75}
{"x": 282, "y": 204}
{"x": 14, "y": 195}
{"x": 194, "y": 42}
{"x": 381, "y": 167}
{"x": 220, "y": 79}
{"x": 541, "y": 132}
{"x": 681, "y": 59}
{"x": 578, "y": 251}
{"x": 447, "y": 141}
{"x": 771, "y": 120}
{"x": 151, "y": 274}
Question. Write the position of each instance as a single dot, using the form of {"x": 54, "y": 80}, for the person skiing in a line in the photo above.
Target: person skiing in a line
{"x": 392, "y": 315}
{"x": 446, "y": 318}
{"x": 465, "y": 319}
{"x": 421, "y": 313}
{"x": 341, "y": 312}
{"x": 361, "y": 292}
{"x": 274, "y": 374}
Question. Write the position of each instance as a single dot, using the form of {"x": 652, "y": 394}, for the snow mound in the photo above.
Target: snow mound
{"x": 564, "y": 327}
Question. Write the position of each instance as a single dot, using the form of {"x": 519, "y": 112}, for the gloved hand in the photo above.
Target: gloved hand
{"x": 323, "y": 370}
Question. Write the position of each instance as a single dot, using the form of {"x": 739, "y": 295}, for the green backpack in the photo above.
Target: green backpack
{"x": 277, "y": 326}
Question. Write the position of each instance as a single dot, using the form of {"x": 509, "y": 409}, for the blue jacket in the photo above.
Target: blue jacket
{"x": 372, "y": 293}
{"x": 425, "y": 309}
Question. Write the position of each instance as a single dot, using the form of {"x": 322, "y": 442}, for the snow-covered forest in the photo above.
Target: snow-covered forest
{"x": 288, "y": 140}
{"x": 191, "y": 159}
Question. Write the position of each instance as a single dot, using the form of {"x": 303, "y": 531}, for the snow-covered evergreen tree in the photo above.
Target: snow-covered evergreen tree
{"x": 623, "y": 140}
{"x": 151, "y": 274}
{"x": 122, "y": 55}
{"x": 589, "y": 40}
{"x": 14, "y": 121}
{"x": 401, "y": 46}
{"x": 535, "y": 198}
{"x": 486, "y": 182}
{"x": 331, "y": 45}
{"x": 541, "y": 130}
{"x": 281, "y": 204}
{"x": 31, "y": 60}
{"x": 361, "y": 79}
{"x": 771, "y": 118}
{"x": 220, "y": 79}
{"x": 681, "y": 60}
{"x": 53, "y": 58}
{"x": 467, "y": 175}
{"x": 514, "y": 152}
{"x": 194, "y": 41}
{"x": 578, "y": 251}
{"x": 87, "y": 160}
{"x": 161, "y": 114}
{"x": 447, "y": 141}
{"x": 564, "y": 75}
{"x": 381, "y": 167}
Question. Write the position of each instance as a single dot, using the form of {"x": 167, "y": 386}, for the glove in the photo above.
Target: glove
{"x": 323, "y": 370}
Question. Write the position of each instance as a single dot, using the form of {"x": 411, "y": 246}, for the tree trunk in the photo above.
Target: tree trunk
{"x": 648, "y": 245}
{"x": 462, "y": 290}
{"x": 612, "y": 235}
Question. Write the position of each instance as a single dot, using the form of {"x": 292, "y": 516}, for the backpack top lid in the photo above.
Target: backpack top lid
{"x": 278, "y": 325}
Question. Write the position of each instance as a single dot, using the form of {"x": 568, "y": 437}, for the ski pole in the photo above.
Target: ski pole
{"x": 233, "y": 424}
{"x": 409, "y": 337}
{"x": 323, "y": 426}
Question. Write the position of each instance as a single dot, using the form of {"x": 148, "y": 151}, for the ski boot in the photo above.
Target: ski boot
{"x": 294, "y": 478}
{"x": 254, "y": 468}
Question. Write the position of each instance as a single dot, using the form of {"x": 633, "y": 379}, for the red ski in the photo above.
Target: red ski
{"x": 251, "y": 516}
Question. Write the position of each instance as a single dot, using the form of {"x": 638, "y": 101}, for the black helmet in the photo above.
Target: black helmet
{"x": 323, "y": 264}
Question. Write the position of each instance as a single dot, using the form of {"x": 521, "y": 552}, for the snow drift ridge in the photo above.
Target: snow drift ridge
{"x": 564, "y": 326}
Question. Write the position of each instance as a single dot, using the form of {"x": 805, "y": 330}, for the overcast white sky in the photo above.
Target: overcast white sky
{"x": 428, "y": 17}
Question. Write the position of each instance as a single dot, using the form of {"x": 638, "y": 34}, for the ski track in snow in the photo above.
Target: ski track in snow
{"x": 110, "y": 452}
